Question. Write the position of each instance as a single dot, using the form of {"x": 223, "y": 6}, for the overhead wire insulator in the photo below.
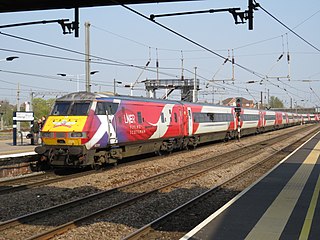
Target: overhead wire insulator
{"x": 280, "y": 57}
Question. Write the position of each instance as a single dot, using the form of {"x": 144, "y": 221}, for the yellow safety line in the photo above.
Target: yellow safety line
{"x": 308, "y": 220}
{"x": 274, "y": 220}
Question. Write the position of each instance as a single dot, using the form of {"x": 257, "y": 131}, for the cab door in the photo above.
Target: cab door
{"x": 111, "y": 110}
{"x": 106, "y": 114}
{"x": 190, "y": 122}
{"x": 112, "y": 126}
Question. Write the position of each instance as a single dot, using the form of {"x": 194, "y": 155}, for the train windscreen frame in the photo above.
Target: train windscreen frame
{"x": 61, "y": 108}
{"x": 79, "y": 109}
{"x": 70, "y": 108}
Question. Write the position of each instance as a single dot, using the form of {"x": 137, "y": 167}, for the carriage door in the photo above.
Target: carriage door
{"x": 110, "y": 110}
{"x": 190, "y": 123}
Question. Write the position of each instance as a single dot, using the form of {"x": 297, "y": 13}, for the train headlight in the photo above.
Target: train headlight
{"x": 78, "y": 135}
{"x": 47, "y": 134}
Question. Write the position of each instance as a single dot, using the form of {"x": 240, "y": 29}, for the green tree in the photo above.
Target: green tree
{"x": 6, "y": 109}
{"x": 276, "y": 102}
{"x": 42, "y": 107}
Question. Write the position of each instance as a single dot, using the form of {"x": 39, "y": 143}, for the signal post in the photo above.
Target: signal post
{"x": 237, "y": 110}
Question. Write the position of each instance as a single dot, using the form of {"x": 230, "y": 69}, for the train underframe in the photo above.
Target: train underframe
{"x": 58, "y": 156}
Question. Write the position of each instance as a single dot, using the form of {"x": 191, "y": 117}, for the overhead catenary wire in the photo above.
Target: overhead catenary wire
{"x": 72, "y": 51}
{"x": 24, "y": 85}
{"x": 290, "y": 30}
{"x": 187, "y": 39}
{"x": 281, "y": 36}
{"x": 315, "y": 93}
{"x": 194, "y": 42}
{"x": 49, "y": 77}
{"x": 58, "y": 47}
{"x": 116, "y": 64}
{"x": 109, "y": 61}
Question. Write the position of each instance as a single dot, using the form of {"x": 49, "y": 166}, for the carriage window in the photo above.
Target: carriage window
{"x": 189, "y": 112}
{"x": 100, "y": 109}
{"x": 80, "y": 109}
{"x": 175, "y": 117}
{"x": 139, "y": 117}
{"x": 212, "y": 117}
{"x": 162, "y": 118}
{"x": 106, "y": 107}
{"x": 61, "y": 108}
{"x": 112, "y": 107}
{"x": 270, "y": 117}
{"x": 250, "y": 117}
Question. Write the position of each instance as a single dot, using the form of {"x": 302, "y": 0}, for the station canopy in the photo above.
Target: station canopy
{"x": 32, "y": 5}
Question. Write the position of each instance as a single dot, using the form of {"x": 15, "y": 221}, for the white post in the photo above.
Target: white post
{"x": 78, "y": 79}
{"x": 18, "y": 106}
{"x": 131, "y": 89}
{"x": 195, "y": 85}
{"x": 87, "y": 55}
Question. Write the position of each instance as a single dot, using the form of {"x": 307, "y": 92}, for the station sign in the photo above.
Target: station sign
{"x": 23, "y": 116}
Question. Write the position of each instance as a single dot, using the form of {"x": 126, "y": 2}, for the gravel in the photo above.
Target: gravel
{"x": 113, "y": 226}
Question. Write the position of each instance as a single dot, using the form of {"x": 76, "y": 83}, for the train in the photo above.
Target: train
{"x": 87, "y": 129}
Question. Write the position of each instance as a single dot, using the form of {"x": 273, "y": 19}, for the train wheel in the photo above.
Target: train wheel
{"x": 41, "y": 166}
{"x": 227, "y": 137}
{"x": 95, "y": 166}
{"x": 158, "y": 153}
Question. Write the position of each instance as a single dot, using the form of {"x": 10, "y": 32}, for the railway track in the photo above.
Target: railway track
{"x": 174, "y": 224}
{"x": 32, "y": 181}
{"x": 45, "y": 221}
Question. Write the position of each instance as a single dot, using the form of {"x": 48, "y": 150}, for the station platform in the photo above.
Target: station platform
{"x": 283, "y": 204}
{"x": 7, "y": 149}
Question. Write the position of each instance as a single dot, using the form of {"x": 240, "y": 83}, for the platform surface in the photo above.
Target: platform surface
{"x": 7, "y": 149}
{"x": 284, "y": 204}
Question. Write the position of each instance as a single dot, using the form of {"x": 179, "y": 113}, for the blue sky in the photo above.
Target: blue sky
{"x": 122, "y": 36}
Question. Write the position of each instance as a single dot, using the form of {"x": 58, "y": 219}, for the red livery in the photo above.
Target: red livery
{"x": 94, "y": 128}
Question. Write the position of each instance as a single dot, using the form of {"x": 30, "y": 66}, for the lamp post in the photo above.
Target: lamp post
{"x": 1, "y": 119}
{"x": 114, "y": 85}
{"x": 77, "y": 77}
{"x": 9, "y": 59}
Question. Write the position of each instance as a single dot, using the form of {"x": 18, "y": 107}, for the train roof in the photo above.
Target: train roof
{"x": 85, "y": 96}
{"x": 89, "y": 96}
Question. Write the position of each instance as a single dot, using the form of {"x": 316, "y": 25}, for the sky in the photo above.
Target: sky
{"x": 122, "y": 42}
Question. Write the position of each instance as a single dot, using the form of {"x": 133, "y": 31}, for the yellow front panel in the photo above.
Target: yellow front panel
{"x": 65, "y": 124}
{"x": 60, "y": 126}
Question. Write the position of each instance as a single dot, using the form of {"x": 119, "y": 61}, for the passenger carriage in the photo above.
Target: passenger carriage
{"x": 92, "y": 129}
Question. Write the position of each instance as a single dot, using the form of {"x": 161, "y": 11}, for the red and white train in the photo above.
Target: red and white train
{"x": 91, "y": 129}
